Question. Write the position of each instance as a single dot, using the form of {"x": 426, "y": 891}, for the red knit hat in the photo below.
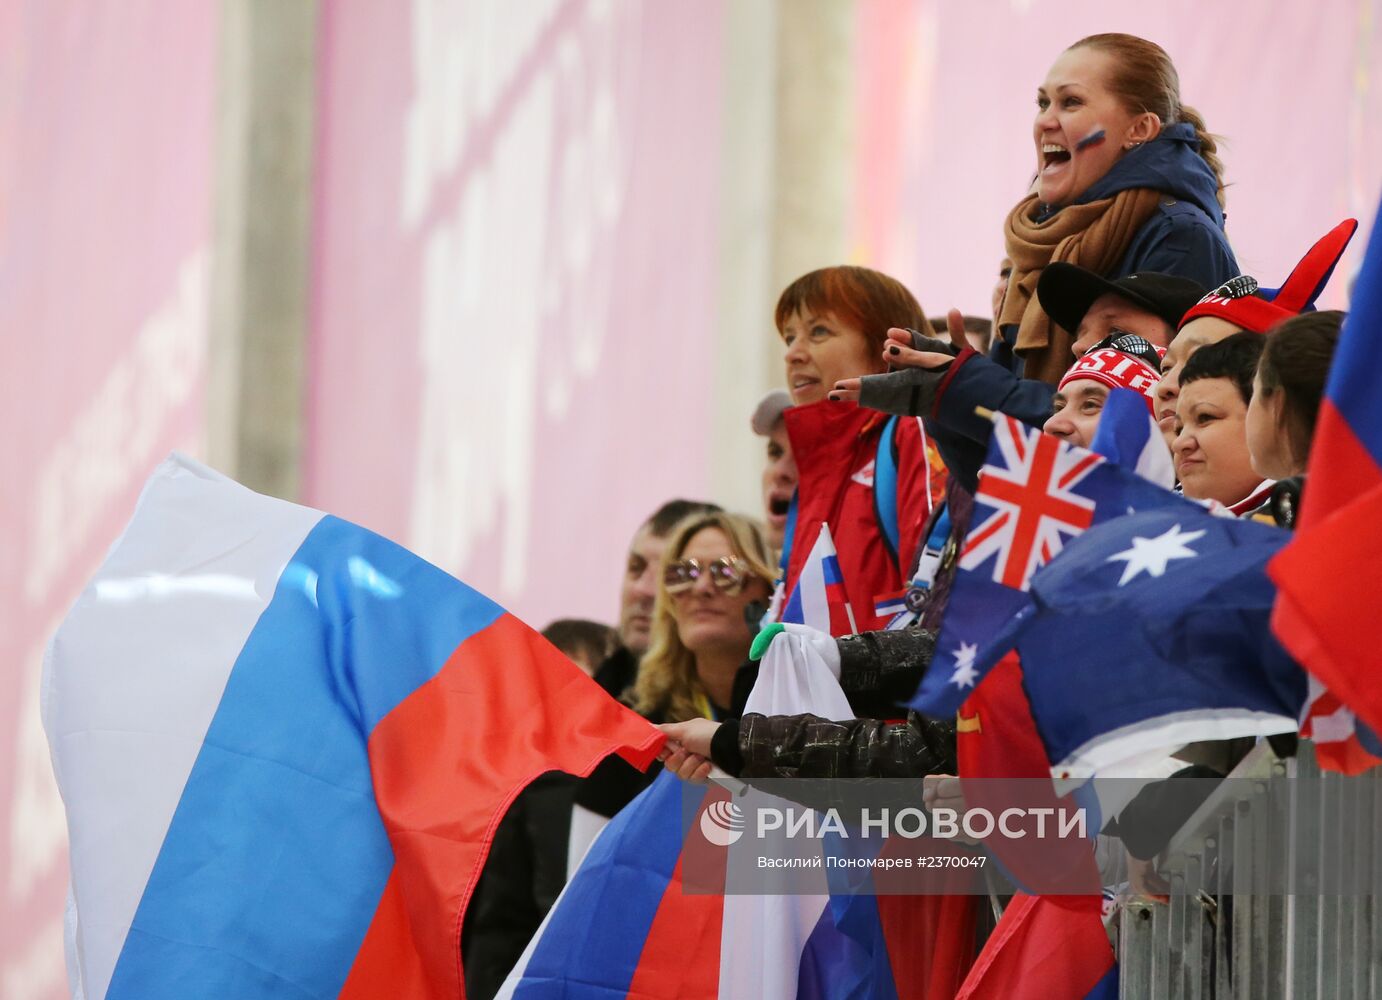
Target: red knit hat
{"x": 1241, "y": 302}
{"x": 1116, "y": 370}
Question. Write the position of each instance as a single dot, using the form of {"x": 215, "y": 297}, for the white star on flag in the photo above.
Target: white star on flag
{"x": 1152, "y": 555}
{"x": 965, "y": 675}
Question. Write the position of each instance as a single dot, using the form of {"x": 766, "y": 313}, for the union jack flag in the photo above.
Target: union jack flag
{"x": 1036, "y": 494}
{"x": 1035, "y": 506}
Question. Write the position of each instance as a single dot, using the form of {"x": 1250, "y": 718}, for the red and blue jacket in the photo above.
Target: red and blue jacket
{"x": 874, "y": 480}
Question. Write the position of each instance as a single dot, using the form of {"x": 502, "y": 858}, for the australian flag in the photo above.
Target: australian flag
{"x": 1150, "y": 632}
{"x": 1036, "y": 493}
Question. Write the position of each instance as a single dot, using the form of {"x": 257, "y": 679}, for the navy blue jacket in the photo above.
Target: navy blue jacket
{"x": 1184, "y": 236}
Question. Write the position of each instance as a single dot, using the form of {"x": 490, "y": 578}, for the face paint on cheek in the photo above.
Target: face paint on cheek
{"x": 1093, "y": 139}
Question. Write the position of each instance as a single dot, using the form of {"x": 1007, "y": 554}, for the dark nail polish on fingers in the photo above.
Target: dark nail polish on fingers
{"x": 894, "y": 349}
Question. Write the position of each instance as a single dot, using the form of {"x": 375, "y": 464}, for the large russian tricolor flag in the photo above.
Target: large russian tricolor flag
{"x": 284, "y": 743}
{"x": 650, "y": 914}
{"x": 1335, "y": 554}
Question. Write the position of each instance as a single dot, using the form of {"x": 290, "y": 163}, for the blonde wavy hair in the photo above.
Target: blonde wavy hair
{"x": 667, "y": 680}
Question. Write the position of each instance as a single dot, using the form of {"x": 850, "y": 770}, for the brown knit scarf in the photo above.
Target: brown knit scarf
{"x": 1094, "y": 236}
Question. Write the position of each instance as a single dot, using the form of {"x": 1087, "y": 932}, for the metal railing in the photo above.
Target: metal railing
{"x": 1315, "y": 932}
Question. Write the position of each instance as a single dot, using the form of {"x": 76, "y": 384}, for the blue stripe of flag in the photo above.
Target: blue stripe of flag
{"x": 1124, "y": 428}
{"x": 1352, "y": 384}
{"x": 608, "y": 908}
{"x": 846, "y": 954}
{"x": 276, "y": 856}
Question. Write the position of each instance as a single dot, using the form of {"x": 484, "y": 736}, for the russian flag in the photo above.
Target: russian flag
{"x": 891, "y": 604}
{"x": 1046, "y": 948}
{"x": 1338, "y": 543}
{"x": 647, "y": 915}
{"x": 284, "y": 744}
{"x": 819, "y": 599}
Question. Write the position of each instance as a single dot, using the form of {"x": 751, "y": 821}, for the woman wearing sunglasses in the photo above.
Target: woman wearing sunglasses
{"x": 713, "y": 568}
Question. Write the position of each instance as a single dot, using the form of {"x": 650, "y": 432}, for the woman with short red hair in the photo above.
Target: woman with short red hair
{"x": 871, "y": 479}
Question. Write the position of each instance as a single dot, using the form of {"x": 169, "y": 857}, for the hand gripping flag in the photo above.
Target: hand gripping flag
{"x": 284, "y": 743}
{"x": 1337, "y": 548}
{"x": 1035, "y": 493}
{"x": 646, "y": 914}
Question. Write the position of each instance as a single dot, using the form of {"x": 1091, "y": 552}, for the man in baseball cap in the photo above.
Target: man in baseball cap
{"x": 1094, "y": 309}
{"x": 780, "y": 474}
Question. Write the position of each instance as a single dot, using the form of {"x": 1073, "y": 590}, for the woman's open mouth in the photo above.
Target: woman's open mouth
{"x": 1054, "y": 156}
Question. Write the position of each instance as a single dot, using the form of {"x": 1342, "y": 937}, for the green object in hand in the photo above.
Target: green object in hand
{"x": 764, "y": 639}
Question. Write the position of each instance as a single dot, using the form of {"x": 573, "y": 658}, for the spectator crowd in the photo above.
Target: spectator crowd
{"x": 1116, "y": 273}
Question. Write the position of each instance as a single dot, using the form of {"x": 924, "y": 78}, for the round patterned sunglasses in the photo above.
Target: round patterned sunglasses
{"x": 728, "y": 574}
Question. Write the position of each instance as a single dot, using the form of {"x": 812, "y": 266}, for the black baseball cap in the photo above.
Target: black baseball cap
{"x": 1066, "y": 291}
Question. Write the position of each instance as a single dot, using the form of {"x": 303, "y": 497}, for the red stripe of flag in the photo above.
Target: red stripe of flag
{"x": 1318, "y": 575}
{"x": 681, "y": 957}
{"x": 446, "y": 764}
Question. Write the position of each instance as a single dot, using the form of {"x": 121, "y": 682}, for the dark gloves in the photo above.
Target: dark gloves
{"x": 925, "y": 342}
{"x": 908, "y": 392}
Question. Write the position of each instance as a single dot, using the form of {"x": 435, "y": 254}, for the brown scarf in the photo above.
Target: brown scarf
{"x": 1094, "y": 236}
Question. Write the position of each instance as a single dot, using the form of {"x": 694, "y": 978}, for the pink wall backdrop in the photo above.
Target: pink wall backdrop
{"x": 514, "y": 282}
{"x": 515, "y": 257}
{"x": 946, "y": 100}
{"x": 105, "y": 168}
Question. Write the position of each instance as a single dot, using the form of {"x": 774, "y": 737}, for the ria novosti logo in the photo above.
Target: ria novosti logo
{"x": 722, "y": 823}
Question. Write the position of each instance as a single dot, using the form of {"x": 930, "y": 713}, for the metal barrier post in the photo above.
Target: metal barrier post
{"x": 1135, "y": 950}
{"x": 1303, "y": 906}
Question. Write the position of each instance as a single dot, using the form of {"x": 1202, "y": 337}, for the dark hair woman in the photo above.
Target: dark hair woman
{"x": 1287, "y": 391}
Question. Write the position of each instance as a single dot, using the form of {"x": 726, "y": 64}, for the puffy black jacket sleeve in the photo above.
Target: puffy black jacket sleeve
{"x": 807, "y": 746}
{"x": 879, "y": 671}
